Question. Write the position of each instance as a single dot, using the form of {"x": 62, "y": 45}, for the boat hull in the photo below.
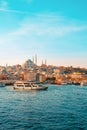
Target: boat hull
{"x": 30, "y": 89}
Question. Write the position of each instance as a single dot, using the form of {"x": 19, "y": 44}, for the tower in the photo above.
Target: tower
{"x": 42, "y": 62}
{"x": 33, "y": 59}
{"x": 36, "y": 59}
{"x": 45, "y": 62}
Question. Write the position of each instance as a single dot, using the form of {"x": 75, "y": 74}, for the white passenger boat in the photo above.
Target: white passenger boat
{"x": 20, "y": 85}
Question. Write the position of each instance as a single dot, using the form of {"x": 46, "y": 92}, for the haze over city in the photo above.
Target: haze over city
{"x": 55, "y": 30}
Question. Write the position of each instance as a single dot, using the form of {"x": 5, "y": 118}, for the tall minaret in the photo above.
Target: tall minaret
{"x": 45, "y": 62}
{"x": 42, "y": 62}
{"x": 33, "y": 59}
{"x": 36, "y": 59}
{"x": 6, "y": 66}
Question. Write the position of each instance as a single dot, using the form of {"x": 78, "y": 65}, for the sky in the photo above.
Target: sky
{"x": 55, "y": 30}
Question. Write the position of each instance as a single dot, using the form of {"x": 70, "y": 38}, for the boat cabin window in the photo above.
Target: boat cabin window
{"x": 27, "y": 84}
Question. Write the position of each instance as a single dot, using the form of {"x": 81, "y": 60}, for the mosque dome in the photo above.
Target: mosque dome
{"x": 3, "y": 71}
{"x": 28, "y": 64}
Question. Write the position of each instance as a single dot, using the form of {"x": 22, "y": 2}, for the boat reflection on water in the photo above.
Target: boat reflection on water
{"x": 21, "y": 85}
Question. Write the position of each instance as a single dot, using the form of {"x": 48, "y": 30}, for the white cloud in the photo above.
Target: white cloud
{"x": 44, "y": 25}
{"x": 12, "y": 11}
{"x": 4, "y": 7}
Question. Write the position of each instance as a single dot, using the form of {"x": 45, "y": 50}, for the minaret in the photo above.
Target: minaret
{"x": 36, "y": 59}
{"x": 33, "y": 59}
{"x": 42, "y": 62}
{"x": 45, "y": 62}
{"x": 6, "y": 66}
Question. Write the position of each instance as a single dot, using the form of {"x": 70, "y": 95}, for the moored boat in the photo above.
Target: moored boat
{"x": 20, "y": 85}
{"x": 83, "y": 83}
{"x": 2, "y": 84}
{"x": 76, "y": 83}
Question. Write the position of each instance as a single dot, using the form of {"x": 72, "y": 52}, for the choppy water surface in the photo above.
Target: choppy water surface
{"x": 58, "y": 108}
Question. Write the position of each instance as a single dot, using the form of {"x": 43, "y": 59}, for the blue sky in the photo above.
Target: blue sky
{"x": 55, "y": 30}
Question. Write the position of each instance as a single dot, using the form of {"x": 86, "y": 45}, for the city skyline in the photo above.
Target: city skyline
{"x": 54, "y": 30}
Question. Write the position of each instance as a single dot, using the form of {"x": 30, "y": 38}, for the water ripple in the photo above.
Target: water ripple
{"x": 58, "y": 108}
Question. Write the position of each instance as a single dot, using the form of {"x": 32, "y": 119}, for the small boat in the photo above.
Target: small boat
{"x": 2, "y": 84}
{"x": 20, "y": 85}
{"x": 63, "y": 83}
{"x": 83, "y": 83}
{"x": 76, "y": 83}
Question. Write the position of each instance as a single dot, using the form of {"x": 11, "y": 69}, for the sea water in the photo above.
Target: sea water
{"x": 58, "y": 108}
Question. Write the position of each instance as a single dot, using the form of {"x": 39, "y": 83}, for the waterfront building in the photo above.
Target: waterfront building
{"x": 3, "y": 73}
{"x": 29, "y": 76}
{"x": 76, "y": 75}
{"x": 40, "y": 77}
{"x": 57, "y": 73}
{"x": 22, "y": 75}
